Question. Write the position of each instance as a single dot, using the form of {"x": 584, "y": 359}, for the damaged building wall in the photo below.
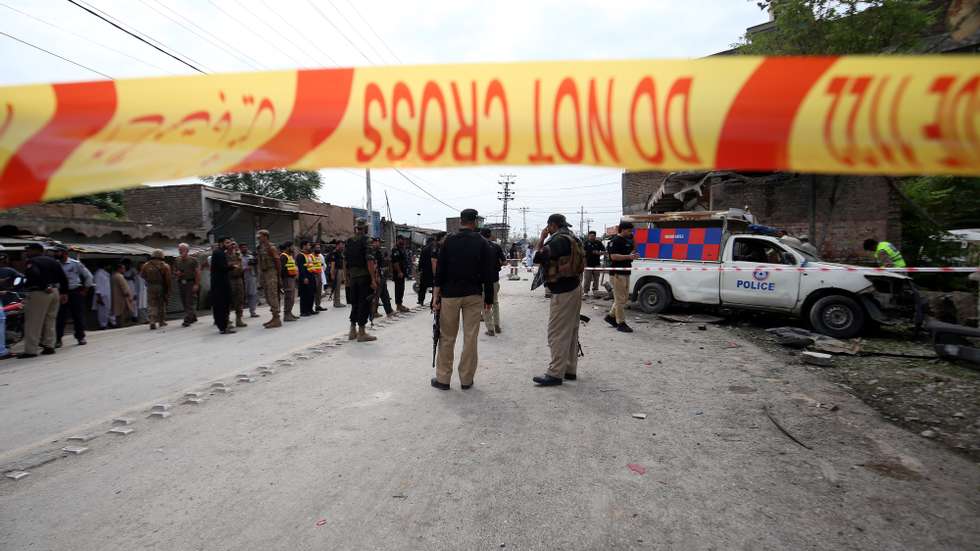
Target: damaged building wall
{"x": 846, "y": 209}
{"x": 330, "y": 221}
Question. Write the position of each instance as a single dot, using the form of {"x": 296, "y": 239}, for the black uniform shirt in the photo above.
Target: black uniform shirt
{"x": 466, "y": 266}
{"x": 399, "y": 259}
{"x": 43, "y": 272}
{"x": 499, "y": 258}
{"x": 620, "y": 245}
{"x": 593, "y": 253}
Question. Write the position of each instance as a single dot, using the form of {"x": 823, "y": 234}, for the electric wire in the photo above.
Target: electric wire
{"x": 212, "y": 39}
{"x": 36, "y": 47}
{"x": 370, "y": 28}
{"x": 331, "y": 23}
{"x": 254, "y": 33}
{"x": 133, "y": 34}
{"x": 298, "y": 32}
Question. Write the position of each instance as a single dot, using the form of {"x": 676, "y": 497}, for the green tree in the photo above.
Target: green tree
{"x": 111, "y": 203}
{"x": 290, "y": 185}
{"x": 839, "y": 27}
{"x": 937, "y": 203}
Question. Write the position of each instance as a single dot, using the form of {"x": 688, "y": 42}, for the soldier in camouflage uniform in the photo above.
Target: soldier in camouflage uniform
{"x": 268, "y": 256}
{"x": 237, "y": 275}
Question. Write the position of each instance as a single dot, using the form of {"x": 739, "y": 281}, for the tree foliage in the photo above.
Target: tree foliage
{"x": 839, "y": 27}
{"x": 289, "y": 185}
{"x": 951, "y": 203}
{"x": 110, "y": 203}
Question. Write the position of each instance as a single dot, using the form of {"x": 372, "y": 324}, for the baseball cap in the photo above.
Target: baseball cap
{"x": 469, "y": 215}
{"x": 559, "y": 220}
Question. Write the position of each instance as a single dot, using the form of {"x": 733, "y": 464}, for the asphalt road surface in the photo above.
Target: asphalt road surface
{"x": 346, "y": 446}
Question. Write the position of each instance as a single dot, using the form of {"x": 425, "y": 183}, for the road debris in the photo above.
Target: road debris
{"x": 781, "y": 429}
{"x": 608, "y": 390}
{"x": 321, "y": 522}
{"x": 928, "y": 434}
{"x": 637, "y": 468}
{"x": 639, "y": 416}
{"x": 817, "y": 358}
{"x": 692, "y": 318}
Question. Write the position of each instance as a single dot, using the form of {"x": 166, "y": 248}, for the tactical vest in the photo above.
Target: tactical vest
{"x": 896, "y": 257}
{"x": 154, "y": 273}
{"x": 572, "y": 265}
{"x": 290, "y": 264}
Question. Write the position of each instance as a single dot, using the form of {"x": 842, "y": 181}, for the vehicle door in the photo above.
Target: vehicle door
{"x": 761, "y": 273}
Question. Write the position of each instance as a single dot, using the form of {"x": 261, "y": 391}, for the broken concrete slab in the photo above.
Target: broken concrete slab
{"x": 81, "y": 438}
{"x": 161, "y": 407}
{"x": 122, "y": 421}
{"x": 160, "y": 414}
{"x": 16, "y": 475}
{"x": 122, "y": 431}
{"x": 817, "y": 358}
{"x": 75, "y": 450}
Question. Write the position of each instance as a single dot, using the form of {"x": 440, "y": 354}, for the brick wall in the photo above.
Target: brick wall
{"x": 849, "y": 209}
{"x": 179, "y": 205}
{"x": 637, "y": 187}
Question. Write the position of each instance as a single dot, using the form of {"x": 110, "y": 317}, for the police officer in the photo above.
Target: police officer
{"x": 381, "y": 294}
{"x": 399, "y": 270}
{"x": 249, "y": 264}
{"x": 288, "y": 274}
{"x": 268, "y": 259}
{"x": 46, "y": 287}
{"x": 362, "y": 280}
{"x": 321, "y": 278}
{"x": 188, "y": 272}
{"x": 338, "y": 274}
{"x": 221, "y": 286}
{"x": 307, "y": 279}
{"x": 80, "y": 280}
{"x": 593, "y": 259}
{"x": 157, "y": 275}
{"x": 463, "y": 287}
{"x": 563, "y": 259}
{"x": 425, "y": 268}
{"x": 492, "y": 318}
{"x": 621, "y": 257}
{"x": 886, "y": 254}
{"x": 236, "y": 273}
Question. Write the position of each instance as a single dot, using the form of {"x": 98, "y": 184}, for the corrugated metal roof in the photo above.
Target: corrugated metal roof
{"x": 128, "y": 249}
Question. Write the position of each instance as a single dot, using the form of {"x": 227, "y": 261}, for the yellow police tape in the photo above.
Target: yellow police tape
{"x": 855, "y": 115}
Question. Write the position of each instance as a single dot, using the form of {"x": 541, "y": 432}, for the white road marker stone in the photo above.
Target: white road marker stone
{"x": 193, "y": 394}
{"x": 122, "y": 421}
{"x": 81, "y": 438}
{"x": 160, "y": 414}
{"x": 219, "y": 385}
{"x": 17, "y": 475}
{"x": 75, "y": 450}
{"x": 267, "y": 371}
{"x": 161, "y": 407}
{"x": 639, "y": 416}
{"x": 195, "y": 401}
{"x": 246, "y": 379}
{"x": 123, "y": 431}
{"x": 222, "y": 389}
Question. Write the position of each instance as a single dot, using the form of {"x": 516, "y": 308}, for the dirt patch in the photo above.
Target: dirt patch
{"x": 893, "y": 470}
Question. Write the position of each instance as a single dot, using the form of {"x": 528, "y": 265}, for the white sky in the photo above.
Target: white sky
{"x": 290, "y": 33}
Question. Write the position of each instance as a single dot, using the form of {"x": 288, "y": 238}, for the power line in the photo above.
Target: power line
{"x": 254, "y": 33}
{"x": 403, "y": 175}
{"x": 26, "y": 43}
{"x": 349, "y": 41}
{"x": 213, "y": 39}
{"x": 283, "y": 36}
{"x": 370, "y": 28}
{"x": 357, "y": 32}
{"x": 134, "y": 35}
{"x": 85, "y": 38}
{"x": 297, "y": 31}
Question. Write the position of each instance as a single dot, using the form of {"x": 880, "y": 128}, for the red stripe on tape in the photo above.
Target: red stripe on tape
{"x": 757, "y": 128}
{"x": 81, "y": 111}
{"x": 322, "y": 96}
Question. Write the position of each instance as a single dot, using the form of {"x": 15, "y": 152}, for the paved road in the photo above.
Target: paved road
{"x": 118, "y": 370}
{"x": 352, "y": 449}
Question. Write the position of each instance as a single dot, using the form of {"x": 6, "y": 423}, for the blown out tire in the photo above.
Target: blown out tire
{"x": 837, "y": 316}
{"x": 654, "y": 297}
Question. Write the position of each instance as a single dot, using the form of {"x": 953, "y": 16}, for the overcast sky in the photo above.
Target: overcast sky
{"x": 238, "y": 35}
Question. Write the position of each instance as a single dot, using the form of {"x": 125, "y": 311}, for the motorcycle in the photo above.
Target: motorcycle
{"x": 13, "y": 308}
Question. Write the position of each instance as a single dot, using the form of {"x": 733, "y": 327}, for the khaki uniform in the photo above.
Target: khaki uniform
{"x": 621, "y": 294}
{"x": 237, "y": 276}
{"x": 156, "y": 273}
{"x": 186, "y": 271}
{"x": 563, "y": 325}
{"x": 40, "y": 314}
{"x": 269, "y": 277}
{"x": 470, "y": 308}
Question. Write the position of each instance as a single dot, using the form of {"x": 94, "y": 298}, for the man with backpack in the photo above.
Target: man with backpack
{"x": 157, "y": 275}
{"x": 563, "y": 260}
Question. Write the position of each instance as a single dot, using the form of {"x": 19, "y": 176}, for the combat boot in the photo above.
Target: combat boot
{"x": 363, "y": 336}
{"x": 401, "y": 308}
{"x": 289, "y": 317}
{"x": 353, "y": 332}
{"x": 274, "y": 322}
{"x": 239, "y": 322}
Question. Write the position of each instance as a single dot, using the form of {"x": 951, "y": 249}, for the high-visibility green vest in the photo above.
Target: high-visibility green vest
{"x": 892, "y": 252}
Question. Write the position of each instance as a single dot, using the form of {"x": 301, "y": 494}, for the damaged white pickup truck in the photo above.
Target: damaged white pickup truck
{"x": 701, "y": 264}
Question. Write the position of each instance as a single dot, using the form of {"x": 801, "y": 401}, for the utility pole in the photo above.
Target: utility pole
{"x": 506, "y": 196}
{"x": 370, "y": 211}
{"x": 581, "y": 221}
{"x": 588, "y": 224}
{"x": 524, "y": 216}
